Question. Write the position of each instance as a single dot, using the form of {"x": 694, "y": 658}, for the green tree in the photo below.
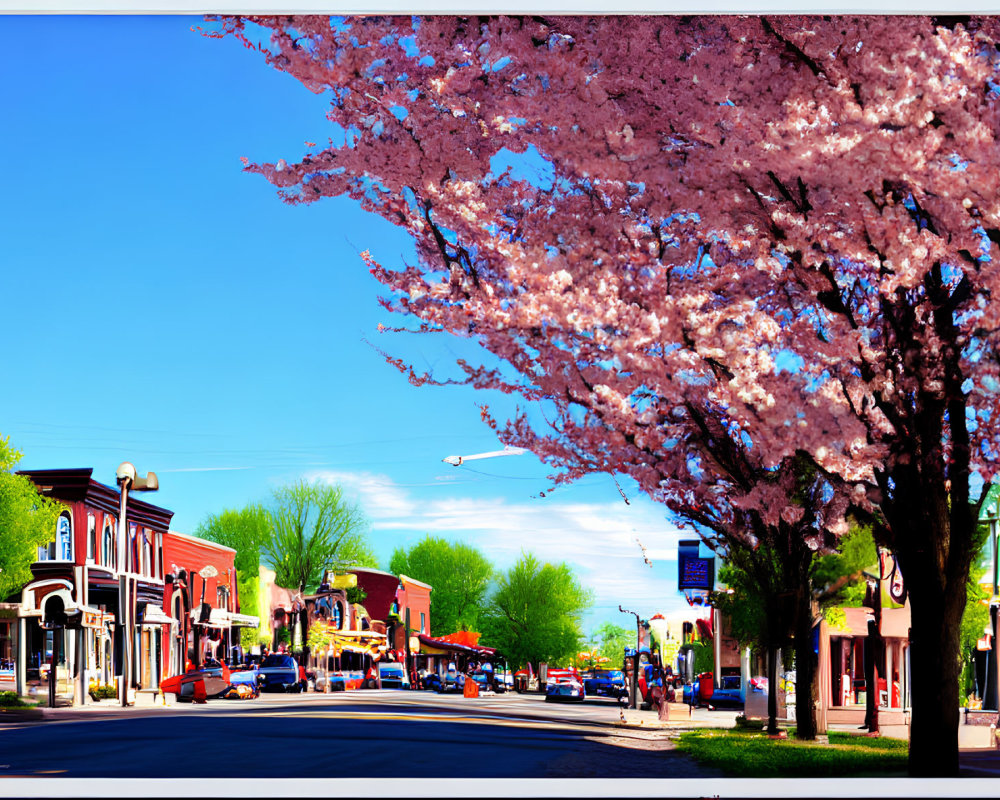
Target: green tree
{"x": 314, "y": 528}
{"x": 459, "y": 574}
{"x": 534, "y": 613}
{"x": 247, "y": 531}
{"x": 27, "y": 522}
{"x": 976, "y": 616}
{"x": 763, "y": 597}
{"x": 611, "y": 640}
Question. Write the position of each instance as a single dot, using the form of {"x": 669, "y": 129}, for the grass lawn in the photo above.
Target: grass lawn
{"x": 751, "y": 754}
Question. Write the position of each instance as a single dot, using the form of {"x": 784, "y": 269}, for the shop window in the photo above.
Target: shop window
{"x": 47, "y": 552}
{"x": 132, "y": 556}
{"x": 108, "y": 543}
{"x": 61, "y": 547}
{"x": 91, "y": 538}
{"x": 64, "y": 537}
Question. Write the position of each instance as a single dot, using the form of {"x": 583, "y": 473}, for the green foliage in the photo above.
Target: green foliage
{"x": 611, "y": 641}
{"x": 249, "y": 637}
{"x": 459, "y": 574}
{"x": 836, "y": 580}
{"x": 703, "y": 656}
{"x": 247, "y": 531}
{"x": 27, "y": 522}
{"x": 534, "y": 614}
{"x": 313, "y": 529}
{"x": 751, "y": 754}
{"x": 975, "y": 619}
{"x": 857, "y": 552}
{"x": 11, "y": 700}
{"x": 355, "y": 594}
{"x": 103, "y": 691}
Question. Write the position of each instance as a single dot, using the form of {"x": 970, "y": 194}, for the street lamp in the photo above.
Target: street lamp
{"x": 634, "y": 683}
{"x": 127, "y": 478}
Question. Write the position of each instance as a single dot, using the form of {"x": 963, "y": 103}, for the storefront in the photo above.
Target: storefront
{"x": 67, "y": 635}
{"x": 461, "y": 648}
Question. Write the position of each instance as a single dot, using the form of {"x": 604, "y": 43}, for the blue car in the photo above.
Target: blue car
{"x": 279, "y": 673}
{"x": 605, "y": 683}
{"x": 393, "y": 676}
{"x": 729, "y": 694}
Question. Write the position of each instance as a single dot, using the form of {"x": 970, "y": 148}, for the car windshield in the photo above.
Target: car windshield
{"x": 610, "y": 674}
{"x": 391, "y": 670}
{"x": 275, "y": 660}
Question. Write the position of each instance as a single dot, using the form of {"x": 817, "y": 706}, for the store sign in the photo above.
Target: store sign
{"x": 694, "y": 571}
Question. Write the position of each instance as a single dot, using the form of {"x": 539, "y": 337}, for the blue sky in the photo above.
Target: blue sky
{"x": 164, "y": 308}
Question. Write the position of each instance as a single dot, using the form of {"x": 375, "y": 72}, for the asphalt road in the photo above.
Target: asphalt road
{"x": 351, "y": 735}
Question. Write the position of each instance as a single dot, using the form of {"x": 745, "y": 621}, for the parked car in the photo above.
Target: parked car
{"x": 431, "y": 680}
{"x": 605, "y": 683}
{"x": 565, "y": 687}
{"x": 486, "y": 681}
{"x": 452, "y": 680}
{"x": 729, "y": 694}
{"x": 279, "y": 673}
{"x": 393, "y": 676}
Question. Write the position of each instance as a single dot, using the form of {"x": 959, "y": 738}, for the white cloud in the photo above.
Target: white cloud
{"x": 597, "y": 539}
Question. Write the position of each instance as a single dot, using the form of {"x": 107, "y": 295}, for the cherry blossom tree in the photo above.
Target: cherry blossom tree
{"x": 680, "y": 235}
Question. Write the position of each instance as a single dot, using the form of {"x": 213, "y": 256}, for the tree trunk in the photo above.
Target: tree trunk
{"x": 934, "y": 673}
{"x": 934, "y": 555}
{"x": 772, "y": 690}
{"x": 805, "y": 671}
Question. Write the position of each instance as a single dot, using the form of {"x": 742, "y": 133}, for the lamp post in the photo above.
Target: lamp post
{"x": 127, "y": 478}
{"x": 634, "y": 683}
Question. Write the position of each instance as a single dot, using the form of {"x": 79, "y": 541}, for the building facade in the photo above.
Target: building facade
{"x": 68, "y": 631}
{"x": 62, "y": 635}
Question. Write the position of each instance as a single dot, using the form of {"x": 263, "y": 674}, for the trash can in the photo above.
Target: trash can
{"x": 706, "y": 686}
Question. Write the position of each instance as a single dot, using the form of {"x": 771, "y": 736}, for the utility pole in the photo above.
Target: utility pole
{"x": 127, "y": 479}
{"x": 634, "y": 683}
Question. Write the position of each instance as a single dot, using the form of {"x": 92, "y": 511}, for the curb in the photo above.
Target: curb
{"x": 32, "y": 714}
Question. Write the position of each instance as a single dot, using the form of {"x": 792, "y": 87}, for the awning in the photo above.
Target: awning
{"x": 344, "y": 581}
{"x": 433, "y": 646}
{"x": 244, "y": 620}
{"x": 154, "y": 615}
{"x": 218, "y": 618}
{"x": 364, "y": 642}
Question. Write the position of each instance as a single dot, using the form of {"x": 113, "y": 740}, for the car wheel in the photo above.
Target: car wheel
{"x": 369, "y": 683}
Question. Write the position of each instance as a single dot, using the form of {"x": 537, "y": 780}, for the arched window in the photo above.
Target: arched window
{"x": 108, "y": 543}
{"x": 64, "y": 538}
{"x": 91, "y": 538}
{"x": 132, "y": 556}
